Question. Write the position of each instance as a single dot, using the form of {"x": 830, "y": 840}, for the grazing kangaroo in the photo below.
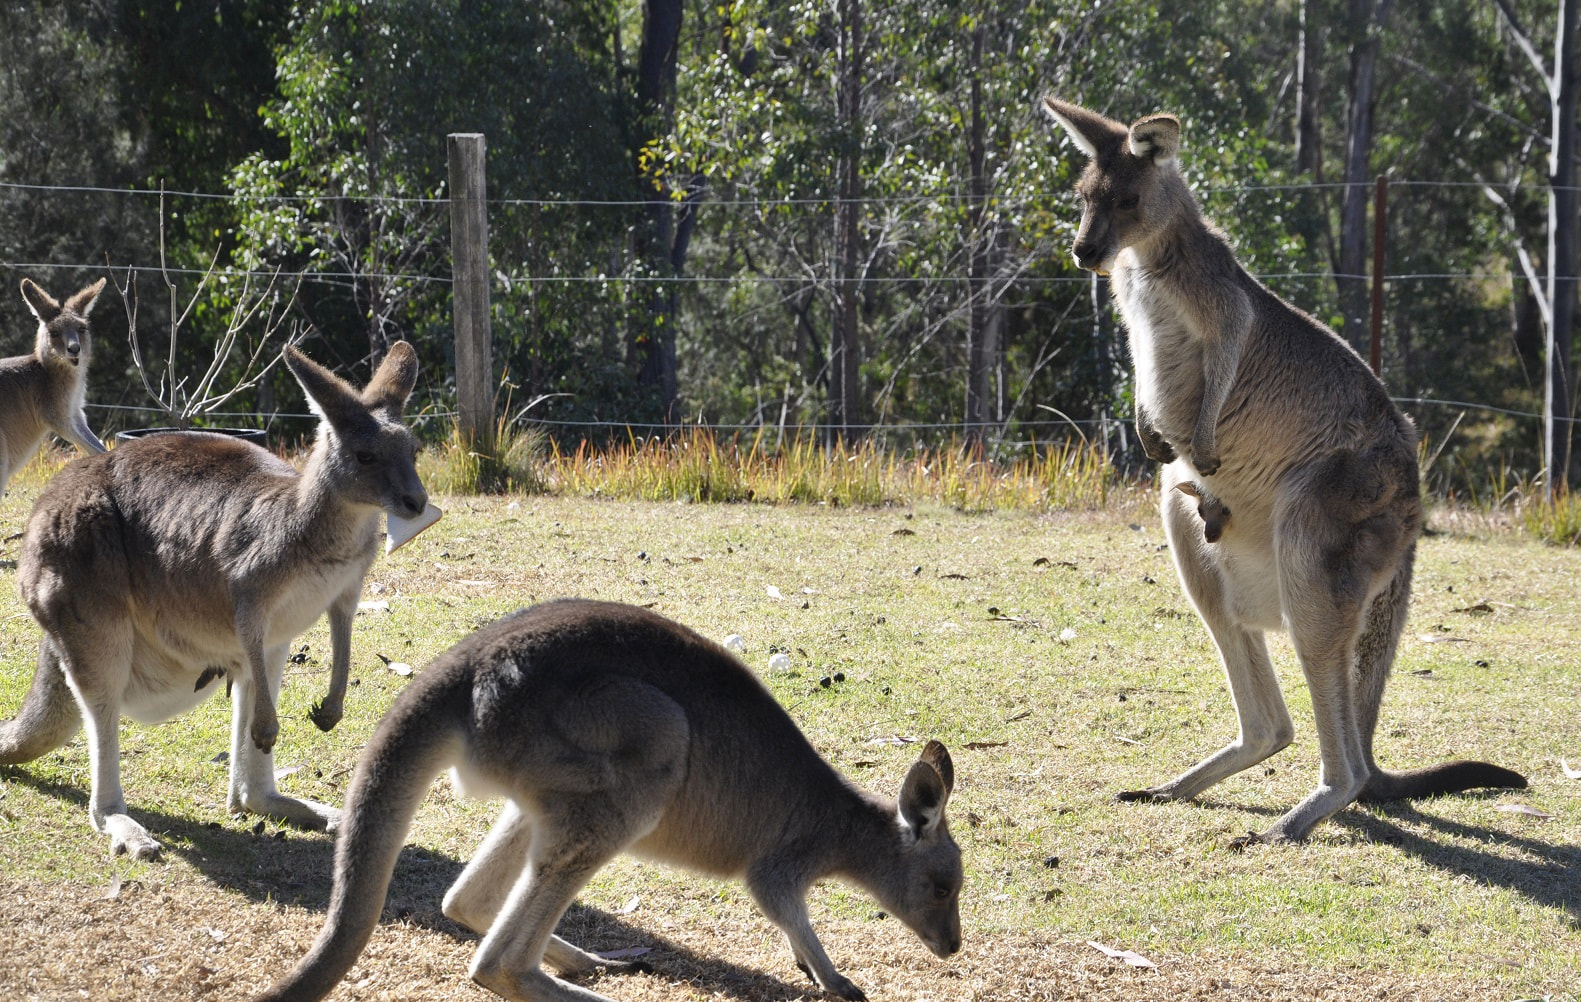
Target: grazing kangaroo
{"x": 1277, "y": 417}
{"x": 44, "y": 391}
{"x": 1215, "y": 516}
{"x": 610, "y": 729}
{"x": 177, "y": 560}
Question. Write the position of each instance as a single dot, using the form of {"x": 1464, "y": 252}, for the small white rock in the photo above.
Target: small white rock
{"x": 736, "y": 642}
{"x": 1067, "y": 635}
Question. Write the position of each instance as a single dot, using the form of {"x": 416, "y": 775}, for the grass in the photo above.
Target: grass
{"x": 1052, "y": 651}
{"x": 697, "y": 465}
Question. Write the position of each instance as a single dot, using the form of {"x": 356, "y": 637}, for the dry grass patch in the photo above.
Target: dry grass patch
{"x": 1054, "y": 654}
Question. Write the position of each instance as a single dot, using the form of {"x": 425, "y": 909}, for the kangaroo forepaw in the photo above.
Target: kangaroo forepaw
{"x": 265, "y": 731}
{"x": 325, "y": 715}
{"x": 1154, "y": 447}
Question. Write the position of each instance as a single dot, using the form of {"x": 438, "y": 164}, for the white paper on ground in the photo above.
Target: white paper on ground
{"x": 399, "y": 531}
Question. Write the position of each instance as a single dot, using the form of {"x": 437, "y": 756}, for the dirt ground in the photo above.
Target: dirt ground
{"x": 191, "y": 940}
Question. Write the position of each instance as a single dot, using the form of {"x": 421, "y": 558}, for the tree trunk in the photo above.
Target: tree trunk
{"x": 980, "y": 349}
{"x": 1367, "y": 19}
{"x": 845, "y": 357}
{"x": 1558, "y": 403}
{"x": 1309, "y": 56}
{"x": 662, "y": 243}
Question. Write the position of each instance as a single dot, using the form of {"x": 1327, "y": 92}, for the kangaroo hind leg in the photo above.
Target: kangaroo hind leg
{"x": 49, "y": 715}
{"x": 1264, "y": 725}
{"x": 558, "y": 862}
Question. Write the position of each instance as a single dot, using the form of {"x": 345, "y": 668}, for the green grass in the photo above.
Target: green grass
{"x": 1054, "y": 654}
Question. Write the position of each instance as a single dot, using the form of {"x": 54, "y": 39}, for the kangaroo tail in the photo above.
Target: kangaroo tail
{"x": 49, "y": 715}
{"x": 1375, "y": 651}
{"x": 1437, "y": 780}
{"x": 417, "y": 740}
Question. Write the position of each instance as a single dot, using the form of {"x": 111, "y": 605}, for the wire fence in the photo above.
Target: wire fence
{"x": 1039, "y": 199}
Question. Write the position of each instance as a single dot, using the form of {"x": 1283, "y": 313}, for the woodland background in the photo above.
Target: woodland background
{"x": 843, "y": 215}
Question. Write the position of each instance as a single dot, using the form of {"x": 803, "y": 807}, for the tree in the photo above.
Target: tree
{"x": 1558, "y": 293}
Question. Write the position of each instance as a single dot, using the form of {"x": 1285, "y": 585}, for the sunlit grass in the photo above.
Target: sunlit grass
{"x": 697, "y": 465}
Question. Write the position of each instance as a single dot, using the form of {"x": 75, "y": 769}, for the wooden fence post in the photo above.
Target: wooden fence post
{"x": 469, "y": 249}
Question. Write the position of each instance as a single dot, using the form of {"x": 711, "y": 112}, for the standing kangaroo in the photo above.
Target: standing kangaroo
{"x": 176, "y": 560}
{"x": 44, "y": 391}
{"x": 610, "y": 729}
{"x": 1279, "y": 420}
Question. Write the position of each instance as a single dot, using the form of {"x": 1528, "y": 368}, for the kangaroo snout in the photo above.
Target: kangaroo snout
{"x": 412, "y": 505}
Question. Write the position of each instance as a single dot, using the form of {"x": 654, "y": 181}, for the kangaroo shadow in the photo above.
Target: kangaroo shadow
{"x": 263, "y": 860}
{"x": 1547, "y": 876}
{"x": 1546, "y": 879}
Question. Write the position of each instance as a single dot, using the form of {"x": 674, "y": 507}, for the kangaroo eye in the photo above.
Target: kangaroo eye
{"x": 941, "y": 892}
{"x": 365, "y": 458}
{"x": 1129, "y": 202}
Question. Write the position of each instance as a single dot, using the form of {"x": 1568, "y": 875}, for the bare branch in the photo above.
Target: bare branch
{"x": 1523, "y": 40}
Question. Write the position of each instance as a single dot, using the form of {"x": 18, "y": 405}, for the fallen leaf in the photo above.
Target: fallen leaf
{"x": 1134, "y": 959}
{"x": 289, "y": 770}
{"x": 1438, "y": 638}
{"x": 891, "y": 739}
{"x": 114, "y": 890}
{"x": 980, "y": 745}
{"x": 1024, "y": 714}
{"x": 1479, "y": 609}
{"x": 217, "y": 935}
{"x": 774, "y": 592}
{"x": 1423, "y": 672}
{"x": 1569, "y": 772}
{"x": 903, "y": 532}
{"x": 399, "y": 667}
{"x": 953, "y": 577}
{"x": 378, "y": 605}
{"x": 1530, "y": 812}
{"x": 630, "y": 905}
{"x": 1127, "y": 740}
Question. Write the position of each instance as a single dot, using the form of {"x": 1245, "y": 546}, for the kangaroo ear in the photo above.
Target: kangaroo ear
{"x": 1089, "y": 130}
{"x": 926, "y": 791}
{"x": 1156, "y": 138}
{"x": 41, "y": 303}
{"x": 331, "y": 397}
{"x": 81, "y": 301}
{"x": 393, "y": 382}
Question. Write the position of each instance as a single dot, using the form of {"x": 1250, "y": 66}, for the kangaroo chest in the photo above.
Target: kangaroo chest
{"x": 1166, "y": 348}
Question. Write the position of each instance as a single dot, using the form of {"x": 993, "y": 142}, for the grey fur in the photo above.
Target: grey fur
{"x": 1278, "y": 419}
{"x": 610, "y": 729}
{"x": 45, "y": 391}
{"x": 152, "y": 565}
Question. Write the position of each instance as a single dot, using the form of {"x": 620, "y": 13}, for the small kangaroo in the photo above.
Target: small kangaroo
{"x": 174, "y": 561}
{"x": 611, "y": 729}
{"x": 45, "y": 391}
{"x": 1276, "y": 416}
{"x": 1215, "y": 516}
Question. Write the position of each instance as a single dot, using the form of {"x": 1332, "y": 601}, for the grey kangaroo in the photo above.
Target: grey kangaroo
{"x": 611, "y": 729}
{"x": 173, "y": 562}
{"x": 44, "y": 391}
{"x": 1277, "y": 418}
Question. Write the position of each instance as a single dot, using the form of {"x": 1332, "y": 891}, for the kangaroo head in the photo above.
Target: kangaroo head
{"x": 1131, "y": 188}
{"x": 364, "y": 450}
{"x": 923, "y": 889}
{"x": 62, "y": 329}
{"x": 1215, "y": 516}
